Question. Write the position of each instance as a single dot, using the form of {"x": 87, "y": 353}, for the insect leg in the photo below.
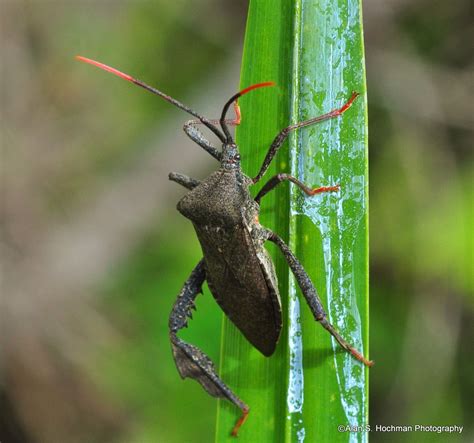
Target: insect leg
{"x": 312, "y": 298}
{"x": 196, "y": 135}
{"x": 281, "y": 137}
{"x": 190, "y": 360}
{"x": 277, "y": 179}
{"x": 183, "y": 180}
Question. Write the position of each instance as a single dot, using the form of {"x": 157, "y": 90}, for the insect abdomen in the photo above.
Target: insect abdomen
{"x": 238, "y": 282}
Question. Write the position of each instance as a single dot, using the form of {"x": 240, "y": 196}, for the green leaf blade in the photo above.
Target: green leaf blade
{"x": 313, "y": 50}
{"x": 255, "y": 378}
{"x": 329, "y": 233}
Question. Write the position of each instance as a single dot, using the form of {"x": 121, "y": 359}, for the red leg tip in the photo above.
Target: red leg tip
{"x": 240, "y": 422}
{"x": 325, "y": 189}
{"x": 348, "y": 104}
{"x": 361, "y": 358}
{"x": 238, "y": 116}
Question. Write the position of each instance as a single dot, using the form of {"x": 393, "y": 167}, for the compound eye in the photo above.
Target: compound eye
{"x": 237, "y": 156}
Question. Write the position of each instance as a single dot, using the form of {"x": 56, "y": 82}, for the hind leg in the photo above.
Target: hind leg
{"x": 311, "y": 296}
{"x": 190, "y": 360}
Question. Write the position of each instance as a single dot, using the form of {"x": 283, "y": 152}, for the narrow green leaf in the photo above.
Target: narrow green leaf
{"x": 313, "y": 50}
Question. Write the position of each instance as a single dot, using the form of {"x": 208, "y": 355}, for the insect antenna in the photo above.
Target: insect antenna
{"x": 169, "y": 99}
{"x": 233, "y": 99}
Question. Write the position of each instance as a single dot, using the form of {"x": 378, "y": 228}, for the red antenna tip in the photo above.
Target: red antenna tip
{"x": 255, "y": 86}
{"x": 105, "y": 68}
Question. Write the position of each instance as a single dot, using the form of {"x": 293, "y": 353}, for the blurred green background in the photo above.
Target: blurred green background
{"x": 94, "y": 253}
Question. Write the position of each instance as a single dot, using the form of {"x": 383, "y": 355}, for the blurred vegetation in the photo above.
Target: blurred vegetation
{"x": 85, "y": 352}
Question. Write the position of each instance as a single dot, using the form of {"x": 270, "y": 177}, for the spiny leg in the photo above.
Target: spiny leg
{"x": 190, "y": 360}
{"x": 196, "y": 135}
{"x": 281, "y": 137}
{"x": 277, "y": 179}
{"x": 312, "y": 298}
{"x": 183, "y": 180}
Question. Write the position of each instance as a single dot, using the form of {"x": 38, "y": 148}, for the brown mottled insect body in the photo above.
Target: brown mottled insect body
{"x": 239, "y": 269}
{"x": 235, "y": 263}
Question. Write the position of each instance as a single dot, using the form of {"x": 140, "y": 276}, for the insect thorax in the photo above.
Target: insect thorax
{"x": 217, "y": 201}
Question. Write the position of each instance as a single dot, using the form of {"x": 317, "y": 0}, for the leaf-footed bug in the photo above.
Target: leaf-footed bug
{"x": 237, "y": 267}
